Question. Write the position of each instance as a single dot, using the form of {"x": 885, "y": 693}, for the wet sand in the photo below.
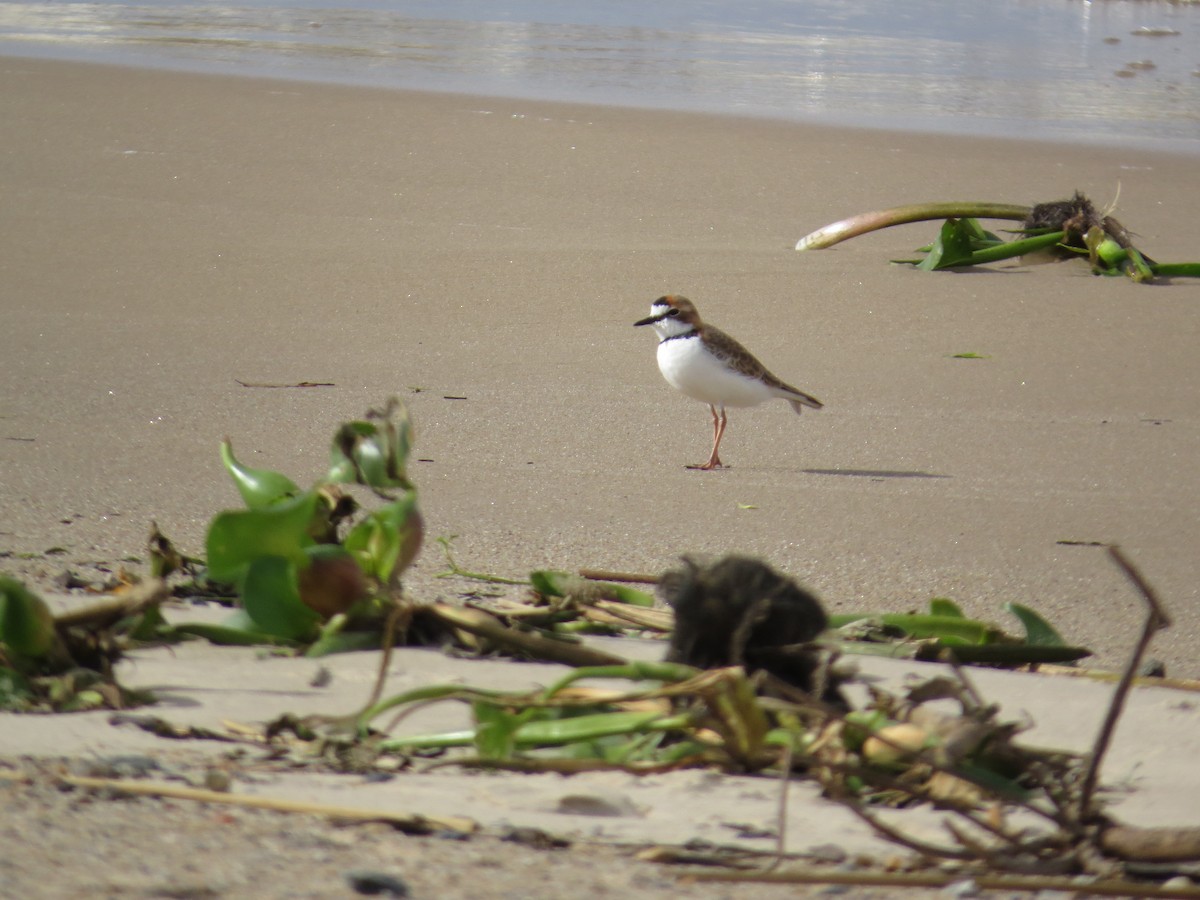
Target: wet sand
{"x": 168, "y": 235}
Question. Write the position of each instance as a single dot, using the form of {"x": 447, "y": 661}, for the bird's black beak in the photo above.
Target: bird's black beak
{"x": 649, "y": 320}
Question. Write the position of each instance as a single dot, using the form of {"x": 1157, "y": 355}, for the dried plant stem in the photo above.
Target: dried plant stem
{"x": 137, "y": 599}
{"x": 936, "y": 851}
{"x": 487, "y": 626}
{"x": 1156, "y": 619}
{"x": 1031, "y": 883}
{"x": 781, "y": 814}
{"x": 404, "y": 821}
{"x": 628, "y": 577}
{"x": 616, "y": 613}
{"x": 389, "y": 640}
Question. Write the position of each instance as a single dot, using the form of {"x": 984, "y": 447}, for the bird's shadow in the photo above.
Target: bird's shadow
{"x": 874, "y": 473}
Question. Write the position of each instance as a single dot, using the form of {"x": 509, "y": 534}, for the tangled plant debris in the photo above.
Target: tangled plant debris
{"x": 1070, "y": 228}
{"x": 752, "y": 678}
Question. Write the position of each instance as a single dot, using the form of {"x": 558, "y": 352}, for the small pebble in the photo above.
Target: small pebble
{"x": 592, "y": 805}
{"x": 374, "y": 883}
{"x": 535, "y": 837}
{"x": 1152, "y": 668}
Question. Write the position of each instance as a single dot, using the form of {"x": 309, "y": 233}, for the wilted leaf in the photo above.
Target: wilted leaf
{"x": 387, "y": 541}
{"x": 331, "y": 582}
{"x": 374, "y": 455}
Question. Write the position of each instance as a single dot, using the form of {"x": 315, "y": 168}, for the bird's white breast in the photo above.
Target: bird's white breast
{"x": 690, "y": 368}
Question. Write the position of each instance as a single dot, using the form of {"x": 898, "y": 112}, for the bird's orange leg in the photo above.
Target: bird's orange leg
{"x": 714, "y": 461}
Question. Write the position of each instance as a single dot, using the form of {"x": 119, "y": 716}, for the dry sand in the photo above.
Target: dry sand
{"x": 167, "y": 235}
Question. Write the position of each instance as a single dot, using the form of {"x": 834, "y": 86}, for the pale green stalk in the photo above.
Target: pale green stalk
{"x": 902, "y": 215}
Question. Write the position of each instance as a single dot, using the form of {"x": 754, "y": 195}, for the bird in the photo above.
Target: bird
{"x": 705, "y": 363}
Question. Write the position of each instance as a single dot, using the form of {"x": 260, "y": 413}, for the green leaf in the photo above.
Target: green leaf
{"x": 258, "y": 487}
{"x": 237, "y": 537}
{"x": 271, "y": 597}
{"x": 1038, "y": 632}
{"x": 26, "y": 623}
{"x": 358, "y": 456}
{"x": 549, "y": 583}
{"x": 496, "y": 729}
{"x": 961, "y": 242}
{"x": 387, "y": 541}
{"x": 944, "y": 606}
{"x": 952, "y": 247}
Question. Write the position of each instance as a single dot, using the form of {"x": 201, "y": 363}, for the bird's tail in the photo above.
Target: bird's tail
{"x": 799, "y": 400}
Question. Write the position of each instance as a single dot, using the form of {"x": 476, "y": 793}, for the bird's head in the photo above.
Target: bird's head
{"x": 671, "y": 316}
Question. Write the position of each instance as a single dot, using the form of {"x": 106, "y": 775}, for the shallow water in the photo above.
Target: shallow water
{"x": 1111, "y": 71}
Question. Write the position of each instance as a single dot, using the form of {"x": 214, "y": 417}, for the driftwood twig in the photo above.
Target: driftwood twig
{"x": 1156, "y": 619}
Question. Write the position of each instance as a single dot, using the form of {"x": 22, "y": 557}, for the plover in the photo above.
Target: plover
{"x": 707, "y": 364}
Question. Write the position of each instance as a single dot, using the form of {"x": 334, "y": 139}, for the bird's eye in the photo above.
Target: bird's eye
{"x": 672, "y": 312}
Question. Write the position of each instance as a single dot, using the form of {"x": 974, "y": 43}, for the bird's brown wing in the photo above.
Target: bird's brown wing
{"x": 732, "y": 352}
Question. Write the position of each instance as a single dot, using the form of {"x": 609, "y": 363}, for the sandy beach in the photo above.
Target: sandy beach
{"x": 168, "y": 237}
